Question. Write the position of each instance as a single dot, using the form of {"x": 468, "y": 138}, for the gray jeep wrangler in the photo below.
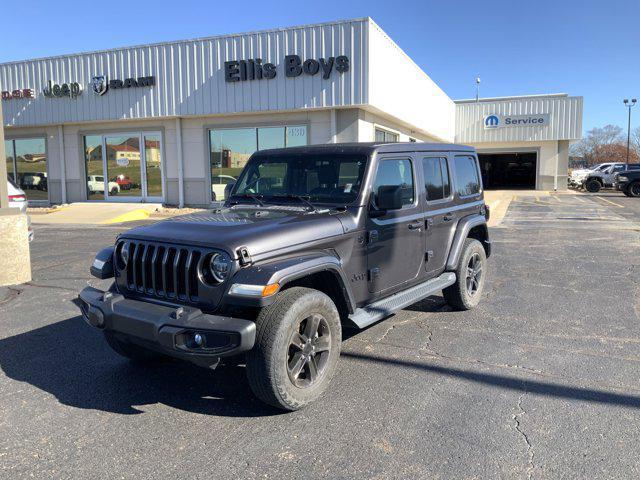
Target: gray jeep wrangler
{"x": 311, "y": 239}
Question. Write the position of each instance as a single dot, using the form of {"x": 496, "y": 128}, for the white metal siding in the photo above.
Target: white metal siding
{"x": 565, "y": 122}
{"x": 190, "y": 77}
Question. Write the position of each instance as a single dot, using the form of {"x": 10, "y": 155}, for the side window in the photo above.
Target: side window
{"x": 467, "y": 180}
{"x": 618, "y": 168}
{"x": 436, "y": 178}
{"x": 396, "y": 172}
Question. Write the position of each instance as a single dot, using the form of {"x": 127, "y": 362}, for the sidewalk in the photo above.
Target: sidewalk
{"x": 89, "y": 213}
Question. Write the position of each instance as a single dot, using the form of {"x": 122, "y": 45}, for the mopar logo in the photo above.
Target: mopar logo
{"x": 491, "y": 121}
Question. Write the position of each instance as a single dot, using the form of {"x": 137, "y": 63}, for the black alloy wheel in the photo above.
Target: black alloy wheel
{"x": 309, "y": 350}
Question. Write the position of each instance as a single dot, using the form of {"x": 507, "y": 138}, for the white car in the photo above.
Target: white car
{"x": 219, "y": 185}
{"x": 578, "y": 176}
{"x": 95, "y": 183}
{"x": 17, "y": 198}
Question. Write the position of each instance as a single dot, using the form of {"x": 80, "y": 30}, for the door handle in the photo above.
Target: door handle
{"x": 415, "y": 225}
{"x": 448, "y": 217}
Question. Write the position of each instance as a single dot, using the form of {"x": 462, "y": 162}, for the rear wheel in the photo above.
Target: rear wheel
{"x": 592, "y": 186}
{"x": 297, "y": 349}
{"x": 130, "y": 350}
{"x": 465, "y": 293}
{"x": 633, "y": 189}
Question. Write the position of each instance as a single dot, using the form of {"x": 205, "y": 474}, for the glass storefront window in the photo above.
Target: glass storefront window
{"x": 153, "y": 165}
{"x": 270, "y": 137}
{"x": 27, "y": 164}
{"x": 296, "y": 136}
{"x": 93, "y": 164}
{"x": 230, "y": 150}
{"x": 386, "y": 136}
{"x": 9, "y": 154}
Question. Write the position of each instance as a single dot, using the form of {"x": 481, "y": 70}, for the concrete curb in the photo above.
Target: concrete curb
{"x": 132, "y": 216}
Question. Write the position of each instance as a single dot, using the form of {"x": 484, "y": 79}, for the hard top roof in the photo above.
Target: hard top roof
{"x": 368, "y": 148}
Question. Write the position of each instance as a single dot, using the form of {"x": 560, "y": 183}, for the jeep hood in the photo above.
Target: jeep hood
{"x": 259, "y": 229}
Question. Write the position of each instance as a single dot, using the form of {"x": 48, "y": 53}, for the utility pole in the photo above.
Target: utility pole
{"x": 478, "y": 88}
{"x": 4, "y": 193}
{"x": 629, "y": 104}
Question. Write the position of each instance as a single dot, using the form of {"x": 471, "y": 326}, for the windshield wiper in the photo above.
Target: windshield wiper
{"x": 301, "y": 198}
{"x": 252, "y": 196}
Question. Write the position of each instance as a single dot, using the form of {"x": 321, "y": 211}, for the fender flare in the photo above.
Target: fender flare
{"x": 286, "y": 270}
{"x": 462, "y": 231}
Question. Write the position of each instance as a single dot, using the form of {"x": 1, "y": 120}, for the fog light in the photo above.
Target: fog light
{"x": 198, "y": 340}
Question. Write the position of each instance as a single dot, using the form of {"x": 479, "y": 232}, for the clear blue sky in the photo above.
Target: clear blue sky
{"x": 589, "y": 48}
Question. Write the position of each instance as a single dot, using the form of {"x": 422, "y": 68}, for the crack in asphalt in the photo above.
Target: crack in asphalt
{"x": 518, "y": 426}
{"x": 11, "y": 295}
{"x": 54, "y": 287}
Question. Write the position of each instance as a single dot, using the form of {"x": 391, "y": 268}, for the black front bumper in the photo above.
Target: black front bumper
{"x": 169, "y": 330}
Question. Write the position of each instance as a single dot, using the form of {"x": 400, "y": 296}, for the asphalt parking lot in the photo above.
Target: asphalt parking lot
{"x": 541, "y": 381}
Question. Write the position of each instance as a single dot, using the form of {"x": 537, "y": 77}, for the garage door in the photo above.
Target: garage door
{"x": 508, "y": 170}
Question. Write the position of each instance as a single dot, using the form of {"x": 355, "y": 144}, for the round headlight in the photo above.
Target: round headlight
{"x": 219, "y": 266}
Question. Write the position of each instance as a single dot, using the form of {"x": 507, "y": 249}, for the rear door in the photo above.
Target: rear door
{"x": 395, "y": 250}
{"x": 440, "y": 216}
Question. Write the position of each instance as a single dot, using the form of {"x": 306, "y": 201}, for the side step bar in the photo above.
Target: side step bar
{"x": 365, "y": 316}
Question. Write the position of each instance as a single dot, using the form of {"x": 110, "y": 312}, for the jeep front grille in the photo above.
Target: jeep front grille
{"x": 163, "y": 271}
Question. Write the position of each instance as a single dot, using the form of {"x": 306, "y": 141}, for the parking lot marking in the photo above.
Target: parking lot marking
{"x": 609, "y": 201}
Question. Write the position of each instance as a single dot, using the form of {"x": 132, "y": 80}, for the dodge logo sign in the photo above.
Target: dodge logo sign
{"x": 99, "y": 85}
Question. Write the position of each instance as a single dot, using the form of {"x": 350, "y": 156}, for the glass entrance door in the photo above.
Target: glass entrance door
{"x": 123, "y": 166}
{"x": 130, "y": 167}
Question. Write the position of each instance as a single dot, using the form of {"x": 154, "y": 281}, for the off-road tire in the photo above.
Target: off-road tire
{"x": 633, "y": 189}
{"x": 131, "y": 351}
{"x": 267, "y": 362}
{"x": 458, "y": 295}
{"x": 592, "y": 186}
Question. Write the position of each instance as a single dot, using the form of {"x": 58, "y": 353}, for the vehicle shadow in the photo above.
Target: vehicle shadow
{"x": 527, "y": 385}
{"x": 75, "y": 364}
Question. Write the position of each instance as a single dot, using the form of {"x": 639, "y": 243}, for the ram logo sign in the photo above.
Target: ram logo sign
{"x": 502, "y": 121}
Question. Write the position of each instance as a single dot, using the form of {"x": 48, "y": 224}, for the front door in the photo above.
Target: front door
{"x": 132, "y": 166}
{"x": 395, "y": 252}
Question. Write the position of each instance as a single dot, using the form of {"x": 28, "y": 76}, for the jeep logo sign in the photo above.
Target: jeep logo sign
{"x": 500, "y": 121}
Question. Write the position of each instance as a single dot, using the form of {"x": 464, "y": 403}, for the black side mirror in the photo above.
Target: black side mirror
{"x": 389, "y": 197}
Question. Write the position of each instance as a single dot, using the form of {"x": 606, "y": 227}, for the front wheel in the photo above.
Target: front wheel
{"x": 633, "y": 189}
{"x": 592, "y": 186}
{"x": 298, "y": 341}
{"x": 465, "y": 293}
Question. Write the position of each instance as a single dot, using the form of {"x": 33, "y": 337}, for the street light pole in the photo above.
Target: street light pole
{"x": 629, "y": 104}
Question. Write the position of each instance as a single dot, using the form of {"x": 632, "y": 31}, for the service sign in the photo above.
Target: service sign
{"x": 501, "y": 121}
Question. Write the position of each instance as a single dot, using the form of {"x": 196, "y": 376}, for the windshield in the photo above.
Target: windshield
{"x": 333, "y": 179}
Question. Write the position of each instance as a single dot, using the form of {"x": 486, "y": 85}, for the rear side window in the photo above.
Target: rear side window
{"x": 467, "y": 180}
{"x": 436, "y": 178}
{"x": 396, "y": 172}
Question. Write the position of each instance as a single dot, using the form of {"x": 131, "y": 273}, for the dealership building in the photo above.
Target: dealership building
{"x": 175, "y": 122}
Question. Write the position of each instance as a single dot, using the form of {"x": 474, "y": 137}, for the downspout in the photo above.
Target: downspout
{"x": 180, "y": 165}
{"x": 63, "y": 166}
{"x": 334, "y": 126}
{"x": 555, "y": 178}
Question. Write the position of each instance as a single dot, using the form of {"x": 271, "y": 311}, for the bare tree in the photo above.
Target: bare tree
{"x": 599, "y": 144}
